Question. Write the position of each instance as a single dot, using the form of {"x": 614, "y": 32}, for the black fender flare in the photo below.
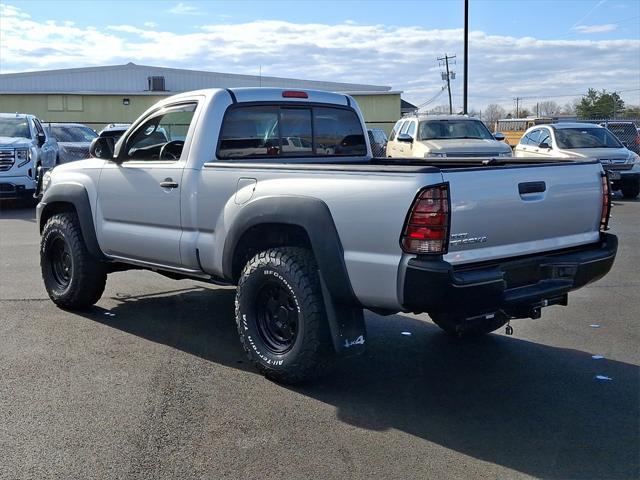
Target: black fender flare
{"x": 344, "y": 311}
{"x": 76, "y": 195}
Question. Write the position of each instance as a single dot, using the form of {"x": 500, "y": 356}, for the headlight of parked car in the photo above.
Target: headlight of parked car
{"x": 633, "y": 158}
{"x": 23, "y": 156}
{"x": 46, "y": 181}
{"x": 434, "y": 155}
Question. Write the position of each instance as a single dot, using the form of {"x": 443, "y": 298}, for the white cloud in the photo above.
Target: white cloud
{"x": 183, "y": 9}
{"x": 150, "y": 24}
{"x": 600, "y": 28}
{"x": 501, "y": 67}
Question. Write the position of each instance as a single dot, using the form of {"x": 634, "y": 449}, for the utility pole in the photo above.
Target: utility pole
{"x": 448, "y": 76}
{"x": 517, "y": 100}
{"x": 466, "y": 57}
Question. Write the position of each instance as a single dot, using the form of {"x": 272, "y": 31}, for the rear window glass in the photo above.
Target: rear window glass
{"x": 275, "y": 131}
{"x": 338, "y": 132}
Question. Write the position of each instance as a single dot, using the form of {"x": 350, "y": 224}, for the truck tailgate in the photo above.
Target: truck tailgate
{"x": 499, "y": 212}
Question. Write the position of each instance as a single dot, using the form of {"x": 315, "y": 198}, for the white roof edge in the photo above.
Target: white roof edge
{"x": 131, "y": 65}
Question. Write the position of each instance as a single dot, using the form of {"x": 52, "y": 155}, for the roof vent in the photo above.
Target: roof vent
{"x": 156, "y": 84}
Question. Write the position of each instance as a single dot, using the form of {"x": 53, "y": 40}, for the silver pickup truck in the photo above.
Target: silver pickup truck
{"x": 313, "y": 230}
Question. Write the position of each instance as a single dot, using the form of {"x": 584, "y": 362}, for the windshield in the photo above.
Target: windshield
{"x": 452, "y": 129}
{"x": 14, "y": 127}
{"x": 589, "y": 137}
{"x": 72, "y": 134}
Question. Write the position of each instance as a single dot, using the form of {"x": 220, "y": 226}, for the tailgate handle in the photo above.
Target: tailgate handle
{"x": 531, "y": 187}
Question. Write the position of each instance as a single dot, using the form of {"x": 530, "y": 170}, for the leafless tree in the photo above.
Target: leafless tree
{"x": 548, "y": 108}
{"x": 570, "y": 107}
{"x": 492, "y": 113}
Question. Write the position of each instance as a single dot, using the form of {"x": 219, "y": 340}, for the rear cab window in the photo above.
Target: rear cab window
{"x": 289, "y": 130}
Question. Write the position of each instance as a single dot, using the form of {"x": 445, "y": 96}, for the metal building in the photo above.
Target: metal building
{"x": 120, "y": 93}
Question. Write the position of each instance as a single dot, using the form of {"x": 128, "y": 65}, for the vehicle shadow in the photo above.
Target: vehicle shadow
{"x": 529, "y": 407}
{"x": 12, "y": 210}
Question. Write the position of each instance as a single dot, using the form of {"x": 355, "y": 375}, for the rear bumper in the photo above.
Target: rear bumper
{"x": 519, "y": 287}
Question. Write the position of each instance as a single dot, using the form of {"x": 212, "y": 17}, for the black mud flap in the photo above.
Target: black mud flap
{"x": 346, "y": 324}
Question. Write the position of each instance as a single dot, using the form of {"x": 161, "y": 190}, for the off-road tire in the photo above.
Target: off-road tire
{"x": 294, "y": 271}
{"x": 458, "y": 327}
{"x": 86, "y": 275}
{"x": 630, "y": 190}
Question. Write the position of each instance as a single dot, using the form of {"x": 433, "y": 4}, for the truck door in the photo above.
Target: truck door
{"x": 138, "y": 204}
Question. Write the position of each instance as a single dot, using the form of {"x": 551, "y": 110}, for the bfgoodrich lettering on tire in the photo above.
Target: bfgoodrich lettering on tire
{"x": 72, "y": 277}
{"x": 280, "y": 315}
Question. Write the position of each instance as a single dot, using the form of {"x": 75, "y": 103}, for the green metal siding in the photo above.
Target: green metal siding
{"x": 380, "y": 111}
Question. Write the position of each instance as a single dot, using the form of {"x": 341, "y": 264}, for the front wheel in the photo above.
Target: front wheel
{"x": 72, "y": 277}
{"x": 280, "y": 315}
{"x": 630, "y": 190}
{"x": 457, "y": 326}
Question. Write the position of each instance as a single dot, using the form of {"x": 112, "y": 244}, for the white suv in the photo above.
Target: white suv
{"x": 444, "y": 135}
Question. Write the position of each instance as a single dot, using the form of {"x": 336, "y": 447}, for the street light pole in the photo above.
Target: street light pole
{"x": 466, "y": 56}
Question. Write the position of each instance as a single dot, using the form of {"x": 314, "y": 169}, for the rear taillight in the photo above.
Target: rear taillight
{"x": 426, "y": 229}
{"x": 606, "y": 203}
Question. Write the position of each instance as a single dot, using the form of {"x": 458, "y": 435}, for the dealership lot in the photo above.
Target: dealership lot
{"x": 152, "y": 383}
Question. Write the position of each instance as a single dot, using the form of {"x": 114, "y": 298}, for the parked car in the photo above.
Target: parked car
{"x": 74, "y": 140}
{"x": 112, "y": 133}
{"x": 378, "y": 141}
{"x": 429, "y": 136}
{"x": 312, "y": 240}
{"x": 26, "y": 151}
{"x": 514, "y": 128}
{"x": 626, "y": 132}
{"x": 585, "y": 141}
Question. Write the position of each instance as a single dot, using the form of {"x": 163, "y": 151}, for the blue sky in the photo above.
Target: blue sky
{"x": 535, "y": 49}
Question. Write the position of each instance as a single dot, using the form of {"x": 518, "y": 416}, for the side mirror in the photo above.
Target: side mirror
{"x": 545, "y": 145}
{"x": 625, "y": 144}
{"x": 101, "y": 148}
{"x": 404, "y": 137}
{"x": 499, "y": 136}
{"x": 41, "y": 137}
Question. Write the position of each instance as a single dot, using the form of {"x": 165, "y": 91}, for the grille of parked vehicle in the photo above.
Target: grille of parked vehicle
{"x": 7, "y": 159}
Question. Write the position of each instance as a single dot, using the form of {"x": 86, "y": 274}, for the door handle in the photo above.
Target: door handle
{"x": 169, "y": 183}
{"x": 531, "y": 187}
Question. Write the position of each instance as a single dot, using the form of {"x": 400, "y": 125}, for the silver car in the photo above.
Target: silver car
{"x": 585, "y": 141}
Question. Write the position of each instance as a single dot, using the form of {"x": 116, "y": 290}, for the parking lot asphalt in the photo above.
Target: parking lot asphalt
{"x": 152, "y": 383}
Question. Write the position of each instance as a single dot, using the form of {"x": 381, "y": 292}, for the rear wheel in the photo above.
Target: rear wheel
{"x": 72, "y": 277}
{"x": 458, "y": 326}
{"x": 630, "y": 190}
{"x": 280, "y": 315}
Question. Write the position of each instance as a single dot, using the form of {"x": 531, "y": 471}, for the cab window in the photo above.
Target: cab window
{"x": 532, "y": 137}
{"x": 394, "y": 132}
{"x": 545, "y": 137}
{"x": 411, "y": 131}
{"x": 162, "y": 136}
{"x": 271, "y": 131}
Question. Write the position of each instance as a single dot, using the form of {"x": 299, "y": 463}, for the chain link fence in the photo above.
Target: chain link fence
{"x": 625, "y": 130}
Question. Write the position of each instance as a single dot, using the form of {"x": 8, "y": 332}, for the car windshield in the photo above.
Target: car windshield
{"x": 587, "y": 137}
{"x": 14, "y": 127}
{"x": 453, "y": 129}
{"x": 72, "y": 134}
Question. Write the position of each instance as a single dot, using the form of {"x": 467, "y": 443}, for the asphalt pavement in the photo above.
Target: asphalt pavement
{"x": 152, "y": 383}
